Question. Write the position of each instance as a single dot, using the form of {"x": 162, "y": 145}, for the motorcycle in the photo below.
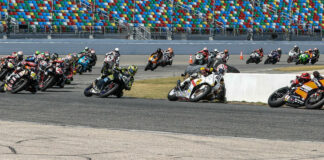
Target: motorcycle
{"x": 22, "y": 80}
{"x": 254, "y": 58}
{"x": 303, "y": 59}
{"x": 311, "y": 92}
{"x": 292, "y": 56}
{"x": 6, "y": 68}
{"x": 152, "y": 62}
{"x": 83, "y": 65}
{"x": 53, "y": 75}
{"x": 199, "y": 87}
{"x": 271, "y": 59}
{"x": 111, "y": 87}
{"x": 314, "y": 59}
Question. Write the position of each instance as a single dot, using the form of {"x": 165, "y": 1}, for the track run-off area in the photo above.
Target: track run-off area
{"x": 64, "y": 124}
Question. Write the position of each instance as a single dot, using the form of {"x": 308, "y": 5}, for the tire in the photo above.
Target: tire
{"x": 87, "y": 92}
{"x": 21, "y": 87}
{"x": 318, "y": 104}
{"x": 2, "y": 88}
{"x": 80, "y": 70}
{"x": 249, "y": 61}
{"x": 50, "y": 83}
{"x": 147, "y": 67}
{"x": 172, "y": 96}
{"x": 274, "y": 101}
{"x": 298, "y": 62}
{"x": 3, "y": 73}
{"x": 267, "y": 61}
{"x": 289, "y": 60}
{"x": 109, "y": 92}
{"x": 120, "y": 94}
{"x": 231, "y": 69}
{"x": 257, "y": 61}
{"x": 201, "y": 96}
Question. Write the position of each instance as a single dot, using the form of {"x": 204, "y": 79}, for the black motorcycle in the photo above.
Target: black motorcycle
{"x": 106, "y": 87}
{"x": 254, "y": 58}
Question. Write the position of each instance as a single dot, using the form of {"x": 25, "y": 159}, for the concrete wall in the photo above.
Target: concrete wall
{"x": 254, "y": 87}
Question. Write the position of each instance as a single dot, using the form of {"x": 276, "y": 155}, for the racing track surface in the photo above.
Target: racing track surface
{"x": 68, "y": 106}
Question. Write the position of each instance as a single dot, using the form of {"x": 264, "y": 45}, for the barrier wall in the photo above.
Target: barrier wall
{"x": 252, "y": 87}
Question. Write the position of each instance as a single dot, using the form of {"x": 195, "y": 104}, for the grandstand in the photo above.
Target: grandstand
{"x": 145, "y": 18}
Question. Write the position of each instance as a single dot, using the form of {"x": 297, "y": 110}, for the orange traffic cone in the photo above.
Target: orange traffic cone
{"x": 241, "y": 56}
{"x": 190, "y": 59}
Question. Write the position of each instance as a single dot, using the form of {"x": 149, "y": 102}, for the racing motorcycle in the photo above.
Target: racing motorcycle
{"x": 292, "y": 56}
{"x": 6, "y": 68}
{"x": 272, "y": 59}
{"x": 83, "y": 64}
{"x": 152, "y": 63}
{"x": 111, "y": 87}
{"x": 198, "y": 87}
{"x": 53, "y": 75}
{"x": 254, "y": 58}
{"x": 19, "y": 81}
{"x": 303, "y": 59}
{"x": 311, "y": 92}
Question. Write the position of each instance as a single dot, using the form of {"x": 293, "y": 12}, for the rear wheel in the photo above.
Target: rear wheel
{"x": 172, "y": 95}
{"x": 108, "y": 91}
{"x": 200, "y": 92}
{"x": 276, "y": 99}
{"x": 289, "y": 60}
{"x": 3, "y": 73}
{"x": 315, "y": 100}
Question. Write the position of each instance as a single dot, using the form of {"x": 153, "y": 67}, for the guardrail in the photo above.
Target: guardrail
{"x": 250, "y": 87}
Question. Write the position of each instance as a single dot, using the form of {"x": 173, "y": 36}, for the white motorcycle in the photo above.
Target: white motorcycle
{"x": 292, "y": 56}
{"x": 198, "y": 87}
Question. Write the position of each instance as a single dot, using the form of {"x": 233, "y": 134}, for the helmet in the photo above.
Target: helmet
{"x": 37, "y": 52}
{"x": 305, "y": 76}
{"x": 86, "y": 48}
{"x": 295, "y": 46}
{"x": 170, "y": 49}
{"x": 215, "y": 50}
{"x": 41, "y": 57}
{"x": 225, "y": 51}
{"x": 203, "y": 70}
{"x": 316, "y": 74}
{"x": 132, "y": 69}
{"x": 261, "y": 49}
{"x": 315, "y": 49}
{"x": 205, "y": 49}
{"x": 93, "y": 51}
{"x": 20, "y": 55}
{"x": 257, "y": 50}
{"x": 159, "y": 50}
{"x": 54, "y": 56}
{"x": 116, "y": 49}
{"x": 47, "y": 55}
{"x": 279, "y": 49}
{"x": 221, "y": 69}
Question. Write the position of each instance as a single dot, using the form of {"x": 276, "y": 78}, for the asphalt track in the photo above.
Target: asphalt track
{"x": 68, "y": 106}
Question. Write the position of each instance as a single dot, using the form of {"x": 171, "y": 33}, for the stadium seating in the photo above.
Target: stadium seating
{"x": 183, "y": 15}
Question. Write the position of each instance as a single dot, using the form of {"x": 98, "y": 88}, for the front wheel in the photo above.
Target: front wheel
{"x": 172, "y": 95}
{"x": 267, "y": 61}
{"x": 20, "y": 85}
{"x": 200, "y": 92}
{"x": 87, "y": 92}
{"x": 249, "y": 61}
{"x": 289, "y": 60}
{"x": 276, "y": 99}
{"x": 147, "y": 67}
{"x": 3, "y": 73}
{"x": 315, "y": 100}
{"x": 49, "y": 82}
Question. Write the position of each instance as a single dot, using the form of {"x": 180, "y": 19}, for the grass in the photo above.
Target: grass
{"x": 299, "y": 68}
{"x": 153, "y": 88}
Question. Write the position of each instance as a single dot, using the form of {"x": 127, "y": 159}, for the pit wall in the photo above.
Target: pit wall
{"x": 250, "y": 87}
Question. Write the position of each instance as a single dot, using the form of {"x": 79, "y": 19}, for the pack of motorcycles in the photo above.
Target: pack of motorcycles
{"x": 41, "y": 74}
{"x": 298, "y": 58}
{"x": 200, "y": 87}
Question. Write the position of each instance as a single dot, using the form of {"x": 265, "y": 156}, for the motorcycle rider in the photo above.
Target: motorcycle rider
{"x": 275, "y": 55}
{"x": 317, "y": 75}
{"x": 110, "y": 74}
{"x": 205, "y": 52}
{"x": 279, "y": 52}
{"x": 296, "y": 49}
{"x": 159, "y": 54}
{"x": 169, "y": 54}
{"x": 316, "y": 53}
{"x": 299, "y": 81}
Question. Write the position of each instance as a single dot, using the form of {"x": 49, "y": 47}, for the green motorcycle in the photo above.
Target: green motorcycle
{"x": 303, "y": 59}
